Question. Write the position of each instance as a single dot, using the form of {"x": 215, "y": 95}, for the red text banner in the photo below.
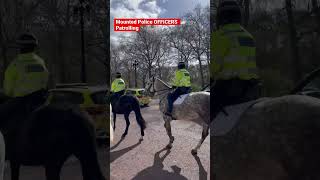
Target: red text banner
{"x": 134, "y": 24}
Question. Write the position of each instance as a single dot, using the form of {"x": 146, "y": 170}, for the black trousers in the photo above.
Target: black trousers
{"x": 175, "y": 95}
{"x": 233, "y": 91}
{"x": 29, "y": 102}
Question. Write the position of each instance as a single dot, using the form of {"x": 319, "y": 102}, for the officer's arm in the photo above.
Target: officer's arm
{"x": 10, "y": 79}
{"x": 177, "y": 79}
{"x": 113, "y": 86}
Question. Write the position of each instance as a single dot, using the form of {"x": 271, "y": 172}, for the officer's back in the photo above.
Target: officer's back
{"x": 26, "y": 78}
{"x": 27, "y": 73}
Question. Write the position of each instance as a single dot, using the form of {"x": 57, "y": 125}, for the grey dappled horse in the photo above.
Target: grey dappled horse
{"x": 275, "y": 139}
{"x": 2, "y": 156}
{"x": 195, "y": 107}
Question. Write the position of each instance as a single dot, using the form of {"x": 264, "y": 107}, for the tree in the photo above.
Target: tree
{"x": 196, "y": 26}
{"x": 147, "y": 47}
{"x": 293, "y": 42}
{"x": 316, "y": 11}
{"x": 14, "y": 17}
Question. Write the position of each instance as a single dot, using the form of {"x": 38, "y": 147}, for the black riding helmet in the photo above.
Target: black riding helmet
{"x": 228, "y": 12}
{"x": 27, "y": 42}
{"x": 181, "y": 65}
{"x": 27, "y": 39}
{"x": 118, "y": 75}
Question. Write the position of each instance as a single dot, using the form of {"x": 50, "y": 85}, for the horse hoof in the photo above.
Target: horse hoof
{"x": 169, "y": 146}
{"x": 194, "y": 152}
{"x": 171, "y": 139}
{"x": 141, "y": 139}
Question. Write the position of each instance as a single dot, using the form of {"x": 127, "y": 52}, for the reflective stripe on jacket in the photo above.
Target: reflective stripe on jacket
{"x": 233, "y": 54}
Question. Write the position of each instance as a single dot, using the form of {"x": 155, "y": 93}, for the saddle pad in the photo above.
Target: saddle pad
{"x": 223, "y": 123}
{"x": 180, "y": 99}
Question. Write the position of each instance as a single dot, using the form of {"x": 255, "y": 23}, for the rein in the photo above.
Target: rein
{"x": 161, "y": 90}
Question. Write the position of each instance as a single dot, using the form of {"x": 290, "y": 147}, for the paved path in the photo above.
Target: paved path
{"x": 132, "y": 159}
{"x": 145, "y": 161}
{"x": 70, "y": 171}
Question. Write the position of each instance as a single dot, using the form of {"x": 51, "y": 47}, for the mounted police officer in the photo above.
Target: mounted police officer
{"x": 234, "y": 73}
{"x": 182, "y": 85}
{"x": 27, "y": 74}
{"x": 118, "y": 87}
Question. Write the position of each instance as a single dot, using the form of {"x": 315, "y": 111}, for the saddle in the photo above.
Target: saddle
{"x": 117, "y": 101}
{"x": 180, "y": 99}
{"x": 226, "y": 120}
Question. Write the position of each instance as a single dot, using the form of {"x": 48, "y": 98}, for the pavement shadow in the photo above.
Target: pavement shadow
{"x": 116, "y": 154}
{"x": 116, "y": 145}
{"x": 156, "y": 171}
{"x": 203, "y": 175}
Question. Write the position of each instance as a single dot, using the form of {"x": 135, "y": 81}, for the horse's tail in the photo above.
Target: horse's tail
{"x": 139, "y": 118}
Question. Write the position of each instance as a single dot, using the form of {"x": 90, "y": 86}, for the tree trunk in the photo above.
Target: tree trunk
{"x": 293, "y": 43}
{"x": 208, "y": 62}
{"x": 201, "y": 70}
{"x": 107, "y": 29}
{"x": 150, "y": 70}
{"x": 3, "y": 53}
{"x": 246, "y": 12}
{"x": 316, "y": 11}
{"x": 61, "y": 59}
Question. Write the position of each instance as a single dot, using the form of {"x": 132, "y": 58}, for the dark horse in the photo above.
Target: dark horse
{"x": 46, "y": 135}
{"x": 125, "y": 105}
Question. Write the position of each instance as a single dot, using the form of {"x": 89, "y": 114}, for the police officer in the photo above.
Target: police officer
{"x": 27, "y": 74}
{"x": 233, "y": 68}
{"x": 118, "y": 87}
{"x": 182, "y": 83}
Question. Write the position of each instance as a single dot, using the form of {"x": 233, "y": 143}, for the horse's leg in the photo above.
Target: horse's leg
{"x": 167, "y": 125}
{"x": 205, "y": 132}
{"x": 114, "y": 121}
{"x": 126, "y": 117}
{"x": 53, "y": 171}
{"x": 88, "y": 158}
{"x": 15, "y": 170}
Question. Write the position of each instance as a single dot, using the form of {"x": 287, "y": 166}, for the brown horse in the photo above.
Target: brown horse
{"x": 47, "y": 135}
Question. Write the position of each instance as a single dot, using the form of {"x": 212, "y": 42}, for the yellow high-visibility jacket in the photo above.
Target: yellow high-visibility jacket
{"x": 233, "y": 54}
{"x": 25, "y": 75}
{"x": 118, "y": 85}
{"x": 182, "y": 78}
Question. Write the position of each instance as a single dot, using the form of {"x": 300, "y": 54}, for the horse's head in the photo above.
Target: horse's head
{"x": 156, "y": 86}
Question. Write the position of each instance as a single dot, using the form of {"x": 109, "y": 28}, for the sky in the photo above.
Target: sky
{"x": 149, "y": 9}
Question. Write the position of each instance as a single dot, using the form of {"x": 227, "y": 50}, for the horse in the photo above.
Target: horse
{"x": 276, "y": 138}
{"x": 47, "y": 135}
{"x": 2, "y": 156}
{"x": 195, "y": 107}
{"x": 125, "y": 105}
